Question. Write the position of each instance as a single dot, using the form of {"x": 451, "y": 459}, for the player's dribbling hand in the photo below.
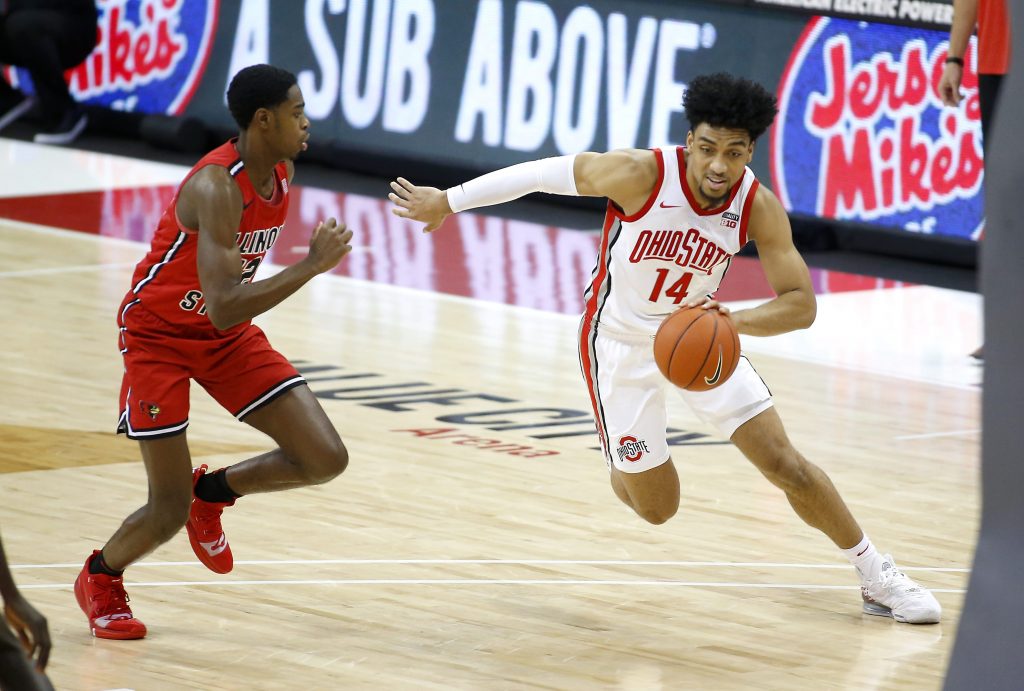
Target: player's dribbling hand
{"x": 426, "y": 204}
{"x": 330, "y": 242}
{"x": 708, "y": 304}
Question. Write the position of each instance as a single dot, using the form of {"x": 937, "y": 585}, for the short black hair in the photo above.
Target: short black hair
{"x": 722, "y": 100}
{"x": 255, "y": 87}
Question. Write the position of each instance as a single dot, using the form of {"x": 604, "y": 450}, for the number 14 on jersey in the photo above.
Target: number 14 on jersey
{"x": 676, "y": 291}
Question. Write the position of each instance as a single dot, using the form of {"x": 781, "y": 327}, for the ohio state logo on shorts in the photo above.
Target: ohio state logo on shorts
{"x": 631, "y": 449}
{"x": 150, "y": 57}
{"x": 862, "y": 134}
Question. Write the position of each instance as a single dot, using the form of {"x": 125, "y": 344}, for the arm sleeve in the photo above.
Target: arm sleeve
{"x": 551, "y": 175}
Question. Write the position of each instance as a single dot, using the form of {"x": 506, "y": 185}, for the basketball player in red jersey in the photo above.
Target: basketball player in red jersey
{"x": 675, "y": 217}
{"x": 187, "y": 316}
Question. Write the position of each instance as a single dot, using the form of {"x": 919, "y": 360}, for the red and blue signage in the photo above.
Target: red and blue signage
{"x": 863, "y": 136}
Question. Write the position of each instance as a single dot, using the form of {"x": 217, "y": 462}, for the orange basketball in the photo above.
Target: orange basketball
{"x": 697, "y": 349}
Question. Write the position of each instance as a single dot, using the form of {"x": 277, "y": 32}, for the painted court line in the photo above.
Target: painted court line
{"x": 513, "y": 562}
{"x": 64, "y": 269}
{"x": 478, "y": 581}
{"x": 932, "y": 435}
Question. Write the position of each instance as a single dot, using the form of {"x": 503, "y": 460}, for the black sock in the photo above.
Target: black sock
{"x": 213, "y": 487}
{"x": 98, "y": 565}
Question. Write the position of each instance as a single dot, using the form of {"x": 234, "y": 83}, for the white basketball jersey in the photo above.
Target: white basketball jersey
{"x": 669, "y": 252}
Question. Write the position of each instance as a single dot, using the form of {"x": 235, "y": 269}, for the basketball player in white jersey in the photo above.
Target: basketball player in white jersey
{"x": 675, "y": 218}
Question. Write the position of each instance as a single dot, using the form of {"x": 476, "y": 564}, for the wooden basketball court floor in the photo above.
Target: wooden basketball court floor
{"x": 474, "y": 543}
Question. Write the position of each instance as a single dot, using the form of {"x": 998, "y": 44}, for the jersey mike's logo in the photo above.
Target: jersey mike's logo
{"x": 150, "y": 56}
{"x": 862, "y": 134}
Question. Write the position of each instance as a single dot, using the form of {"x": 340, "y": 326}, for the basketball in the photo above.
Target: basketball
{"x": 697, "y": 349}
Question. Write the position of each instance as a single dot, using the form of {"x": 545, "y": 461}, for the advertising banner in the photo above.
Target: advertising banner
{"x": 150, "y": 58}
{"x": 862, "y": 134}
{"x": 475, "y": 85}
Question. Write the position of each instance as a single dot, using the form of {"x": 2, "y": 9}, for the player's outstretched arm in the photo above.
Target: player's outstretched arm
{"x": 794, "y": 306}
{"x": 614, "y": 174}
{"x": 626, "y": 176}
{"x": 211, "y": 202}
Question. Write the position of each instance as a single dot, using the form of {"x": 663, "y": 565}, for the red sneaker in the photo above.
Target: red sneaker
{"x": 105, "y": 603}
{"x": 205, "y": 531}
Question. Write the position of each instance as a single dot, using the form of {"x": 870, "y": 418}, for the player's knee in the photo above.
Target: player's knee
{"x": 656, "y": 514}
{"x": 789, "y": 471}
{"x": 329, "y": 461}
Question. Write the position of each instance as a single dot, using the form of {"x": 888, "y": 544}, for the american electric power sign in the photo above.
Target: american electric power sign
{"x": 862, "y": 135}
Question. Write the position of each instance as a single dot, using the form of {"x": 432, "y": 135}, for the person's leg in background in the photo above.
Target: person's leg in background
{"x": 988, "y": 99}
{"x": 46, "y": 43}
{"x": 13, "y": 104}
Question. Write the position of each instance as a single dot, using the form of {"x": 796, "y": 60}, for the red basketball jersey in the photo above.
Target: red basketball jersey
{"x": 166, "y": 281}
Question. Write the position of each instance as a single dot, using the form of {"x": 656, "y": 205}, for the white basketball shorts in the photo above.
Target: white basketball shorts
{"x": 627, "y": 392}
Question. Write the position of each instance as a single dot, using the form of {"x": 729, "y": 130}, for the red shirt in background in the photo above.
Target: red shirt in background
{"x": 993, "y": 37}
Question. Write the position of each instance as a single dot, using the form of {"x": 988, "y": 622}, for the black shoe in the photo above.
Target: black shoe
{"x": 14, "y": 109}
{"x": 67, "y": 130}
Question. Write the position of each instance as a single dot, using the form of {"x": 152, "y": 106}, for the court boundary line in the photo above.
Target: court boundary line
{"x": 74, "y": 268}
{"x": 501, "y": 562}
{"x": 932, "y": 435}
{"x": 475, "y": 581}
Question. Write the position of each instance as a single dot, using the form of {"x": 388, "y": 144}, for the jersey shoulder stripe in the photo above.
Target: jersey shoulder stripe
{"x": 614, "y": 210}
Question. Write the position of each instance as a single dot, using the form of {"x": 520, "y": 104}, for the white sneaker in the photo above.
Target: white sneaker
{"x": 71, "y": 125}
{"x": 16, "y": 111}
{"x": 894, "y": 594}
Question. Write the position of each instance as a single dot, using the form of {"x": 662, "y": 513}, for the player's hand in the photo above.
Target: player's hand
{"x": 426, "y": 204}
{"x": 949, "y": 84}
{"x": 708, "y": 304}
{"x": 329, "y": 243}
{"x": 31, "y": 628}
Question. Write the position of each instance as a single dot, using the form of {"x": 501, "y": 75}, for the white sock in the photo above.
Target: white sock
{"x": 865, "y": 558}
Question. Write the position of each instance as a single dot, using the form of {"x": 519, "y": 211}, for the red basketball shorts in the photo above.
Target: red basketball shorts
{"x": 240, "y": 370}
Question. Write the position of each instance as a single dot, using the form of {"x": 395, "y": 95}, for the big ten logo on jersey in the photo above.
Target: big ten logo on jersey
{"x": 862, "y": 133}
{"x": 150, "y": 57}
{"x": 631, "y": 448}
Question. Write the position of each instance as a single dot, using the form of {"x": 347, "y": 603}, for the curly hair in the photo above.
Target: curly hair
{"x": 722, "y": 100}
{"x": 255, "y": 87}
